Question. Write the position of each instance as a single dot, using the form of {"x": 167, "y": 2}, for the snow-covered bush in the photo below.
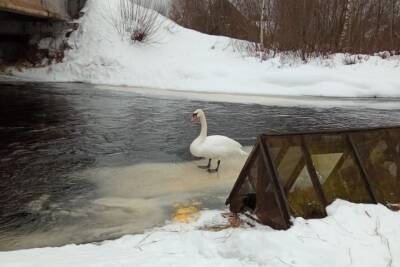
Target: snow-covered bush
{"x": 384, "y": 54}
{"x": 349, "y": 59}
{"x": 137, "y": 20}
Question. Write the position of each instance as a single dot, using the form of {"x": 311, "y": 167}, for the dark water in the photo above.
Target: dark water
{"x": 50, "y": 133}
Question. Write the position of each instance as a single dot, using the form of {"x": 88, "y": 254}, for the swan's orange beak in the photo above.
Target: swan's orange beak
{"x": 195, "y": 119}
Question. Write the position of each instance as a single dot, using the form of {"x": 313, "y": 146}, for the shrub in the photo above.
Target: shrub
{"x": 350, "y": 59}
{"x": 137, "y": 20}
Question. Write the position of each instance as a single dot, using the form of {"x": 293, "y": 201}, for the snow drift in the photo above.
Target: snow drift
{"x": 182, "y": 59}
{"x": 352, "y": 235}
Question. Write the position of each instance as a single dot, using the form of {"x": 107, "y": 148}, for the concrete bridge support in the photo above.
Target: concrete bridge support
{"x": 47, "y": 9}
{"x": 53, "y": 9}
{"x": 22, "y": 20}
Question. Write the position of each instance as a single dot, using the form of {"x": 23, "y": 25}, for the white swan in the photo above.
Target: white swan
{"x": 214, "y": 146}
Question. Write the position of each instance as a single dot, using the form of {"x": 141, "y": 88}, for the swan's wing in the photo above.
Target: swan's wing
{"x": 220, "y": 140}
{"x": 216, "y": 146}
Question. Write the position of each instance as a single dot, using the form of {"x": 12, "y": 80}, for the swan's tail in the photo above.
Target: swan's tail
{"x": 243, "y": 153}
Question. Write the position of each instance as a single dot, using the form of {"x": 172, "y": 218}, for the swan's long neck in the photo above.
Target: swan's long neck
{"x": 203, "y": 132}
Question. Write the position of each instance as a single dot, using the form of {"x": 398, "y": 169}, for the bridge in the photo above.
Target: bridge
{"x": 21, "y": 20}
{"x": 46, "y": 9}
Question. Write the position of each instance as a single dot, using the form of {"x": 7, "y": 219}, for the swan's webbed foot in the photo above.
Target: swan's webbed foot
{"x": 203, "y": 167}
{"x": 216, "y": 169}
{"x": 207, "y": 166}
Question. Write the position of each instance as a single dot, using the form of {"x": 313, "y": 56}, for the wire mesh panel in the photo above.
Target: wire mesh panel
{"x": 294, "y": 177}
{"x": 379, "y": 152}
{"x": 336, "y": 167}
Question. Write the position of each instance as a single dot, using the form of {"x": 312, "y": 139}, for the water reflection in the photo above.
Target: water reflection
{"x": 80, "y": 164}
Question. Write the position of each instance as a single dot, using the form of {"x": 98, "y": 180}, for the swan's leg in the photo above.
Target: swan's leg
{"x": 206, "y": 167}
{"x": 216, "y": 169}
{"x": 219, "y": 162}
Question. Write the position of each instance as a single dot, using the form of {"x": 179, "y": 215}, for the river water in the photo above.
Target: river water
{"x": 82, "y": 163}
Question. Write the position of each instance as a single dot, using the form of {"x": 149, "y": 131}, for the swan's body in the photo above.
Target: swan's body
{"x": 214, "y": 146}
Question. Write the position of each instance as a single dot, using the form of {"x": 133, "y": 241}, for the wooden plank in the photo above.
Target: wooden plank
{"x": 281, "y": 154}
{"x": 243, "y": 173}
{"x": 282, "y": 201}
{"x": 338, "y": 165}
{"x": 313, "y": 173}
{"x": 337, "y": 131}
{"x": 364, "y": 174}
{"x": 294, "y": 175}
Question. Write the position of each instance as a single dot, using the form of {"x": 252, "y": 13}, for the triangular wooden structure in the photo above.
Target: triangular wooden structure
{"x": 300, "y": 174}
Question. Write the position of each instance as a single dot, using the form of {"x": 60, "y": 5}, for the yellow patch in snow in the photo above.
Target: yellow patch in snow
{"x": 186, "y": 214}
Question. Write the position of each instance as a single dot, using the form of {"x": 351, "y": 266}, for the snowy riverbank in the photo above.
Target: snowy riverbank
{"x": 352, "y": 235}
{"x": 183, "y": 59}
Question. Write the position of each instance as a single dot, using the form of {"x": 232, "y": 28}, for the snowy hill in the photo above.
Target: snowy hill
{"x": 182, "y": 59}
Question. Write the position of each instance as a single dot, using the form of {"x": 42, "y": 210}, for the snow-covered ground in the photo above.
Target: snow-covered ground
{"x": 182, "y": 59}
{"x": 352, "y": 235}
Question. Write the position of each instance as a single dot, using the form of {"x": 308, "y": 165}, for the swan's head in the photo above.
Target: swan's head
{"x": 197, "y": 115}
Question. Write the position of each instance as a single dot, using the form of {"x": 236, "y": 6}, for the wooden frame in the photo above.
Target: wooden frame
{"x": 271, "y": 173}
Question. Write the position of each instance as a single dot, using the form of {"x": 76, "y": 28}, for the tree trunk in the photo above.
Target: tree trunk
{"x": 262, "y": 30}
{"x": 392, "y": 25}
{"x": 377, "y": 27}
{"x": 346, "y": 24}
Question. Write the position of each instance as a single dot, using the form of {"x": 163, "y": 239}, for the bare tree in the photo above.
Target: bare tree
{"x": 138, "y": 19}
{"x": 309, "y": 27}
{"x": 346, "y": 23}
{"x": 262, "y": 26}
{"x": 392, "y": 7}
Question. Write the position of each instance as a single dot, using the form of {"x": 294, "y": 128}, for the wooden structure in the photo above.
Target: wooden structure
{"x": 55, "y": 9}
{"x": 44, "y": 9}
{"x": 22, "y": 20}
{"x": 300, "y": 174}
